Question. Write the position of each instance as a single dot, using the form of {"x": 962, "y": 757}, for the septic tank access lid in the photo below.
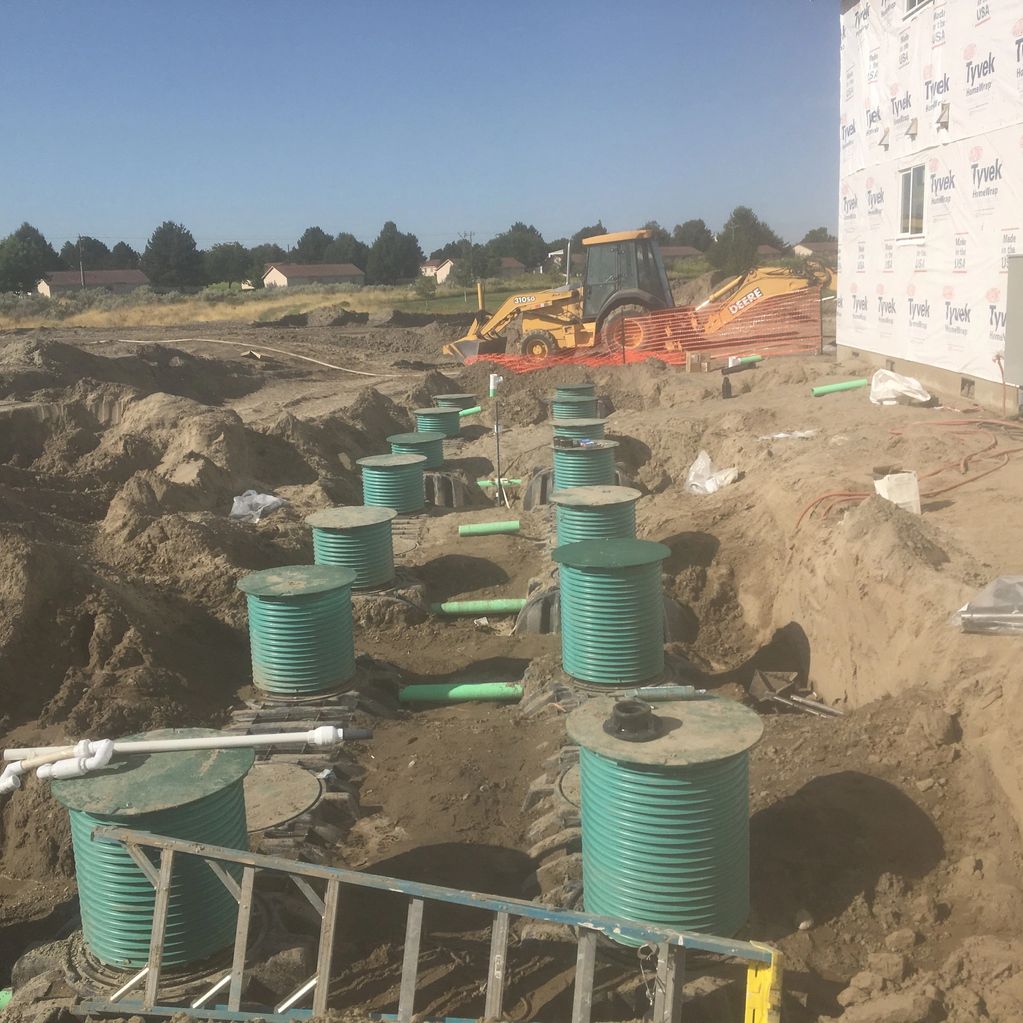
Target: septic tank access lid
{"x": 350, "y": 517}
{"x": 623, "y": 553}
{"x": 296, "y": 580}
{"x": 597, "y": 496}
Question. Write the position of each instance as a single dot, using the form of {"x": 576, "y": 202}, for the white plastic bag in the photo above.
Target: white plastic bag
{"x": 251, "y": 506}
{"x": 704, "y": 478}
{"x": 997, "y": 609}
{"x": 888, "y": 388}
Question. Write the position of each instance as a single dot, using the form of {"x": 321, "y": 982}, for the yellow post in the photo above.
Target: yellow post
{"x": 481, "y": 295}
{"x": 763, "y": 988}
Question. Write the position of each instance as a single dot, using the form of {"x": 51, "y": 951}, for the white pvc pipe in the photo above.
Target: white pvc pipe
{"x": 324, "y": 735}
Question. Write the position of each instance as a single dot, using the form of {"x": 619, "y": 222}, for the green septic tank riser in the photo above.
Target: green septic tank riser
{"x": 574, "y": 408}
{"x": 583, "y": 467}
{"x": 394, "y": 481}
{"x": 438, "y": 420}
{"x": 458, "y": 401}
{"x": 668, "y": 846}
{"x": 300, "y": 628}
{"x": 366, "y": 549}
{"x": 606, "y": 522}
{"x": 612, "y": 610}
{"x": 575, "y": 391}
{"x": 430, "y": 445}
{"x": 117, "y": 899}
{"x": 579, "y": 429}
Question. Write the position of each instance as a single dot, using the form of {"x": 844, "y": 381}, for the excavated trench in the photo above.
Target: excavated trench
{"x": 117, "y": 600}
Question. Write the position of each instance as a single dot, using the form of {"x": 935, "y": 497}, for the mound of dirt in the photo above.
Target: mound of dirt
{"x": 337, "y": 316}
{"x": 400, "y": 318}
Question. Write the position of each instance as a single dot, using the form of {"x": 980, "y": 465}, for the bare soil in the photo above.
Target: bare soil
{"x": 885, "y": 844}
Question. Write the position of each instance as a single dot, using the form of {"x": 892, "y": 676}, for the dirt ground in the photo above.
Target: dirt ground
{"x": 886, "y": 854}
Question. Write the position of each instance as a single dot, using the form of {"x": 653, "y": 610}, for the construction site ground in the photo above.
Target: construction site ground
{"x": 885, "y": 844}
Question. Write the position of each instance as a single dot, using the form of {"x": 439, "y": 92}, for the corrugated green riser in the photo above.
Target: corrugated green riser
{"x": 367, "y": 550}
{"x": 117, "y": 899}
{"x": 433, "y": 451}
{"x": 612, "y": 623}
{"x": 575, "y": 391}
{"x": 564, "y": 409}
{"x": 608, "y": 522}
{"x": 444, "y": 420}
{"x": 667, "y": 846}
{"x": 582, "y": 467}
{"x": 302, "y": 645}
{"x": 398, "y": 487}
{"x": 581, "y": 432}
{"x": 458, "y": 403}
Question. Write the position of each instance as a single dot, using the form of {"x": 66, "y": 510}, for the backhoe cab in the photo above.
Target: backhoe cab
{"x": 624, "y": 277}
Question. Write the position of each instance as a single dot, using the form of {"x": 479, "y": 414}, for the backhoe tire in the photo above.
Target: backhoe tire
{"x": 539, "y": 344}
{"x": 613, "y": 329}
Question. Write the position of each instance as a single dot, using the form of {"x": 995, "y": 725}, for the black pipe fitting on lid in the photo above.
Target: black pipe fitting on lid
{"x": 633, "y": 721}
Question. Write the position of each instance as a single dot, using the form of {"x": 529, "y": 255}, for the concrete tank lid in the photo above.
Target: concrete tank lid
{"x": 391, "y": 461}
{"x": 296, "y": 580}
{"x": 596, "y": 496}
{"x": 576, "y": 422}
{"x": 593, "y": 445}
{"x": 698, "y": 731}
{"x": 622, "y": 553}
{"x": 418, "y": 437}
{"x": 434, "y": 410}
{"x": 350, "y": 517}
{"x": 150, "y": 782}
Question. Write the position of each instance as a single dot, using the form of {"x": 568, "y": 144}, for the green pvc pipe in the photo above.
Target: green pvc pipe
{"x": 504, "y": 605}
{"x": 486, "y": 528}
{"x": 748, "y": 360}
{"x": 454, "y": 692}
{"x": 5, "y": 996}
{"x": 846, "y": 385}
{"x": 493, "y": 483}
{"x": 474, "y": 411}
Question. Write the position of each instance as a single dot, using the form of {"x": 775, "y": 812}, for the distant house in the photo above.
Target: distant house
{"x": 510, "y": 267}
{"x": 440, "y": 269}
{"x": 826, "y": 252}
{"x": 669, "y": 253}
{"x": 60, "y": 282}
{"x": 284, "y": 275}
{"x": 768, "y": 252}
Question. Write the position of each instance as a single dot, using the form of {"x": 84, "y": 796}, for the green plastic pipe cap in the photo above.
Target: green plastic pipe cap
{"x": 296, "y": 580}
{"x": 390, "y": 461}
{"x": 461, "y": 400}
{"x": 350, "y": 517}
{"x": 597, "y": 496}
{"x": 145, "y": 783}
{"x": 622, "y": 553}
{"x": 419, "y": 437}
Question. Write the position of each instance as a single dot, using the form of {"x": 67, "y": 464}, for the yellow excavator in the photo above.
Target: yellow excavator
{"x": 624, "y": 279}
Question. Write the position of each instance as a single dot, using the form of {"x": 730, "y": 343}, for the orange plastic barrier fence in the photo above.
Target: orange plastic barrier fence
{"x": 783, "y": 325}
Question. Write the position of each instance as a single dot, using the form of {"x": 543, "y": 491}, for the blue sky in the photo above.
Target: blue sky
{"x": 252, "y": 121}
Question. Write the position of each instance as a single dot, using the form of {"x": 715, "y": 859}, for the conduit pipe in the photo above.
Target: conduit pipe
{"x": 454, "y": 692}
{"x": 505, "y": 482}
{"x": 506, "y": 605}
{"x": 487, "y": 528}
{"x": 474, "y": 411}
{"x": 846, "y": 385}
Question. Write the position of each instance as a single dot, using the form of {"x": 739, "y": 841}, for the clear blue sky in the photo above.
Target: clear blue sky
{"x": 252, "y": 121}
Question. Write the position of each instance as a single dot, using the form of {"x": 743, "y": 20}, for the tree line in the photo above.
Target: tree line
{"x": 172, "y": 259}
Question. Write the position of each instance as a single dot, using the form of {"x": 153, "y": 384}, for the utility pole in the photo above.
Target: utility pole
{"x": 81, "y": 265}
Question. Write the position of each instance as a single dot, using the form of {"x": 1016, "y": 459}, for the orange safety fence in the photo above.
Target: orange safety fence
{"x": 781, "y": 325}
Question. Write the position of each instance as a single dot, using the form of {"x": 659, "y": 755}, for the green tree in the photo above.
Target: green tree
{"x": 661, "y": 236}
{"x": 819, "y": 234}
{"x": 25, "y": 257}
{"x": 474, "y": 263}
{"x": 124, "y": 257}
{"x": 259, "y": 257}
{"x": 393, "y": 257}
{"x": 587, "y": 232}
{"x": 94, "y": 255}
{"x": 522, "y": 241}
{"x": 735, "y": 250}
{"x": 171, "y": 257}
{"x": 426, "y": 286}
{"x": 694, "y": 233}
{"x": 450, "y": 251}
{"x": 311, "y": 247}
{"x": 226, "y": 262}
{"x": 346, "y": 248}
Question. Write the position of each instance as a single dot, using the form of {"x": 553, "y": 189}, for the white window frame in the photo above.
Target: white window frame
{"x": 913, "y": 236}
{"x": 912, "y": 6}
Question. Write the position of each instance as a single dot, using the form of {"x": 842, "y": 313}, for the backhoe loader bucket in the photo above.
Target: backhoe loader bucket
{"x": 470, "y": 347}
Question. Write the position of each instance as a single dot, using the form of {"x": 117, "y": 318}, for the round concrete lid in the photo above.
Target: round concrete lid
{"x": 623, "y": 553}
{"x": 350, "y": 517}
{"x": 296, "y": 580}
{"x": 593, "y": 445}
{"x": 697, "y": 731}
{"x": 595, "y": 496}
{"x": 151, "y": 782}
{"x": 576, "y": 422}
{"x": 391, "y": 461}
{"x": 277, "y": 793}
{"x": 422, "y": 437}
